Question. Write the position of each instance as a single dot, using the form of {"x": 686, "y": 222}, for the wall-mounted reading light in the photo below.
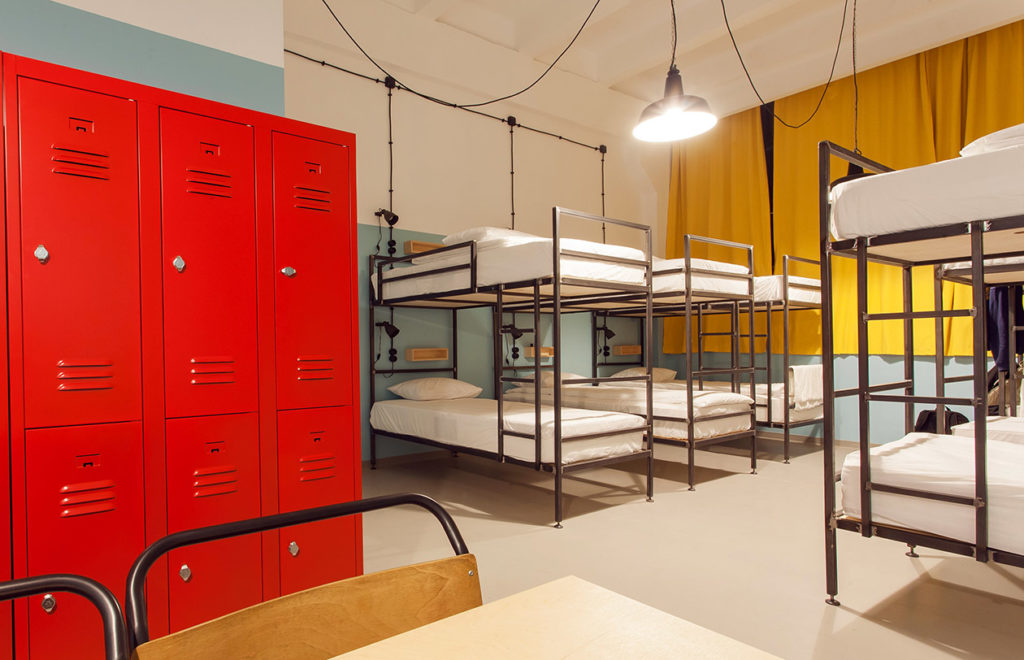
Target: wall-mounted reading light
{"x": 390, "y": 328}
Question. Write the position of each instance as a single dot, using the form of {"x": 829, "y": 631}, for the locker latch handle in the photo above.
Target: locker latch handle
{"x": 185, "y": 572}
{"x": 178, "y": 263}
{"x": 42, "y": 254}
{"x": 49, "y": 603}
{"x": 288, "y": 271}
{"x": 293, "y": 549}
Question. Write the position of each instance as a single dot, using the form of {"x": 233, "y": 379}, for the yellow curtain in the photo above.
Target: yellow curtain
{"x": 719, "y": 189}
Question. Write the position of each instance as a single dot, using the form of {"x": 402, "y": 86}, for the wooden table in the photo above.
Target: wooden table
{"x": 567, "y": 618}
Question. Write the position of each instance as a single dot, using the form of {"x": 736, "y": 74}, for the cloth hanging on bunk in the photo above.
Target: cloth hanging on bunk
{"x": 999, "y": 299}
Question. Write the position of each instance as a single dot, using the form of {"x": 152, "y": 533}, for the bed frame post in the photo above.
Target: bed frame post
{"x": 499, "y": 394}
{"x": 1012, "y": 295}
{"x": 594, "y": 343}
{"x": 828, "y": 367}
{"x": 373, "y": 364}
{"x": 785, "y": 362}
{"x": 690, "y": 453}
{"x": 556, "y": 330}
{"x": 647, "y": 338}
{"x": 980, "y": 394}
{"x": 750, "y": 361}
{"x": 908, "y": 348}
{"x": 455, "y": 342}
{"x": 940, "y": 353}
{"x": 537, "y": 420}
{"x": 864, "y": 387}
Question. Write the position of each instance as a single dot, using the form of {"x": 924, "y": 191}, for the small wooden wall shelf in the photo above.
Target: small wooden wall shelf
{"x": 425, "y": 354}
{"x": 627, "y": 349}
{"x": 415, "y": 247}
{"x": 545, "y": 351}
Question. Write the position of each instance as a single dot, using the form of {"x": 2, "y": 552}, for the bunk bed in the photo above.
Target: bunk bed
{"x": 687, "y": 287}
{"x": 948, "y": 492}
{"x": 508, "y": 271}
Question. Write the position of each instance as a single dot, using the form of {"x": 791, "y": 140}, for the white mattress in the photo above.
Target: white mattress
{"x": 499, "y": 262}
{"x": 981, "y": 187}
{"x": 668, "y": 403}
{"x": 801, "y": 410}
{"x": 665, "y": 282}
{"x": 942, "y": 464}
{"x": 1002, "y": 429}
{"x": 769, "y": 288}
{"x": 998, "y": 261}
{"x": 473, "y": 423}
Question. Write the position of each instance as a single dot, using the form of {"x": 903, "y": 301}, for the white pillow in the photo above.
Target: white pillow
{"x": 484, "y": 234}
{"x": 658, "y": 374}
{"x": 1007, "y": 137}
{"x": 432, "y": 389}
{"x": 547, "y": 379}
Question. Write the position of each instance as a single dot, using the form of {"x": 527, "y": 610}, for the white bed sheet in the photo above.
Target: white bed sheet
{"x": 942, "y": 464}
{"x": 769, "y": 288}
{"x": 802, "y": 410}
{"x": 512, "y": 261}
{"x": 979, "y": 187}
{"x": 664, "y": 282}
{"x": 670, "y": 403}
{"x": 473, "y": 423}
{"x": 1003, "y": 429}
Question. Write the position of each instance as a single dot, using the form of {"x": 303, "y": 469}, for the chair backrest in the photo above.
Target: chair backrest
{"x": 323, "y": 621}
{"x": 115, "y": 637}
{"x": 326, "y": 621}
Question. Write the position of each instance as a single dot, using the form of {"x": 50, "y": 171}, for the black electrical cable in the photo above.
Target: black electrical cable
{"x": 856, "y": 89}
{"x": 675, "y": 34}
{"x": 512, "y": 164}
{"x": 782, "y": 121}
{"x": 604, "y": 236}
{"x": 503, "y": 120}
{"x": 462, "y": 105}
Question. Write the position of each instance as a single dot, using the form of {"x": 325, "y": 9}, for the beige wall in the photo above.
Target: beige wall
{"x": 452, "y": 167}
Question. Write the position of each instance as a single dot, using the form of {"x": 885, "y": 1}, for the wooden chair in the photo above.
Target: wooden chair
{"x": 323, "y": 621}
{"x": 115, "y": 638}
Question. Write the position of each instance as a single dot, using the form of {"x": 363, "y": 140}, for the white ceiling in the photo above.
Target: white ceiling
{"x": 620, "y": 60}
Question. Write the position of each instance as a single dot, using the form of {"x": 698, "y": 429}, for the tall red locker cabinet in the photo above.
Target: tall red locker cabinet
{"x": 181, "y": 347}
{"x": 6, "y": 630}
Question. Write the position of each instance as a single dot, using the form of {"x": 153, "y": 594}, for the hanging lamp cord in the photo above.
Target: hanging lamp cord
{"x": 512, "y": 164}
{"x": 856, "y": 89}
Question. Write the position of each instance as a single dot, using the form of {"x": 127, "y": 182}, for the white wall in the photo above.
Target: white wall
{"x": 249, "y": 28}
{"x": 452, "y": 167}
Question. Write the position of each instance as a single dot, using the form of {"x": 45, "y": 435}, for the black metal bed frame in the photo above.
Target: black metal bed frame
{"x": 698, "y": 302}
{"x": 537, "y": 297}
{"x": 115, "y": 637}
{"x": 881, "y": 249}
{"x": 135, "y": 599}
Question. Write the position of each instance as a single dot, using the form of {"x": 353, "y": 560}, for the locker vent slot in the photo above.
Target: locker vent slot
{"x": 312, "y": 199}
{"x": 205, "y": 182}
{"x": 84, "y": 375}
{"x": 211, "y": 370}
{"x": 316, "y": 467}
{"x": 75, "y": 162}
{"x": 315, "y": 367}
{"x": 87, "y": 497}
{"x": 212, "y": 481}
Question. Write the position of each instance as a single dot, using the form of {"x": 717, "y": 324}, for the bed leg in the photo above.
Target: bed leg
{"x": 558, "y": 497}
{"x": 689, "y": 467}
{"x": 753, "y": 453}
{"x": 650, "y": 476}
{"x": 785, "y": 445}
{"x": 911, "y": 553}
{"x": 831, "y": 600}
{"x": 373, "y": 450}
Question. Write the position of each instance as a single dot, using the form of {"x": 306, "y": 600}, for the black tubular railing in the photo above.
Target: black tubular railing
{"x": 135, "y": 601}
{"x": 115, "y": 638}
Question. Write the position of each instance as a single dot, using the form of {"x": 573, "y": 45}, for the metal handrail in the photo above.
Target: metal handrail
{"x": 115, "y": 637}
{"x": 135, "y": 600}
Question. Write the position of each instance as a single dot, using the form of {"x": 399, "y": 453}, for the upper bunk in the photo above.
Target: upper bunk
{"x": 487, "y": 266}
{"x": 927, "y": 215}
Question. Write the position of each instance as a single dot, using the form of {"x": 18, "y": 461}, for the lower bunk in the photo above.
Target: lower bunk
{"x": 944, "y": 466}
{"x": 717, "y": 416}
{"x": 589, "y": 439}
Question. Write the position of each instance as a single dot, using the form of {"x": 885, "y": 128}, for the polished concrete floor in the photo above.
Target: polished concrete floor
{"x": 742, "y": 554}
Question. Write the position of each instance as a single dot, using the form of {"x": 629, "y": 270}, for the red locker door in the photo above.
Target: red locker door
{"x": 209, "y": 252}
{"x": 80, "y": 255}
{"x": 85, "y": 515}
{"x": 312, "y": 258}
{"x": 212, "y": 478}
{"x": 314, "y": 469}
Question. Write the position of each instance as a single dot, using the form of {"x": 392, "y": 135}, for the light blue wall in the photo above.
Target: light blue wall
{"x": 56, "y": 33}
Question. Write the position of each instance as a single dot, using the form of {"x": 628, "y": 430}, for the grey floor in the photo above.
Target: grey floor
{"x": 742, "y": 555}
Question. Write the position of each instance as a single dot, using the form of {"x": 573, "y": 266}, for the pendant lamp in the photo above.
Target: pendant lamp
{"x": 678, "y": 115}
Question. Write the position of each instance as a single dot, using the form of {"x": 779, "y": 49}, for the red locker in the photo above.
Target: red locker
{"x": 312, "y": 219}
{"x": 6, "y": 622}
{"x": 212, "y": 478}
{"x": 209, "y": 264}
{"x": 85, "y": 515}
{"x": 315, "y": 468}
{"x": 79, "y": 255}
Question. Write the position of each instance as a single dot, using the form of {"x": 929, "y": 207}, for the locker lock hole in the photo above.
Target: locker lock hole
{"x": 293, "y": 549}
{"x": 49, "y": 603}
{"x": 185, "y": 573}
